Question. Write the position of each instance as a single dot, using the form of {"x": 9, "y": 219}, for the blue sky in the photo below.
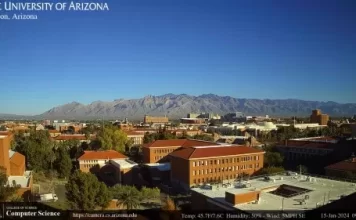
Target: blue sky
{"x": 245, "y": 49}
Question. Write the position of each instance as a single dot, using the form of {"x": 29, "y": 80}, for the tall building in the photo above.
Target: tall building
{"x": 317, "y": 117}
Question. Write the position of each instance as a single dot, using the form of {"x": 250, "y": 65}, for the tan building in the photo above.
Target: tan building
{"x": 151, "y": 119}
{"x": 158, "y": 151}
{"x": 15, "y": 168}
{"x": 54, "y": 133}
{"x": 221, "y": 163}
{"x": 78, "y": 137}
{"x": 136, "y": 137}
{"x": 317, "y": 117}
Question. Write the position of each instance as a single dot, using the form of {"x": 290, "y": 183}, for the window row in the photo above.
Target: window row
{"x": 215, "y": 179}
{"x": 225, "y": 161}
{"x": 225, "y": 169}
{"x": 163, "y": 151}
{"x": 89, "y": 165}
{"x": 158, "y": 157}
{"x": 90, "y": 161}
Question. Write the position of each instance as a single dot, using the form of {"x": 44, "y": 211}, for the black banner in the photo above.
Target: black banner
{"x": 42, "y": 211}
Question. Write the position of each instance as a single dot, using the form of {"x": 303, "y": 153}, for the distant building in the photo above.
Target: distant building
{"x": 204, "y": 115}
{"x": 151, "y": 119}
{"x": 317, "y": 117}
{"x": 79, "y": 137}
{"x": 136, "y": 137}
{"x": 193, "y": 121}
{"x": 306, "y": 148}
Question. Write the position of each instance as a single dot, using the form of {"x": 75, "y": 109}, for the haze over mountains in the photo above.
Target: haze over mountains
{"x": 177, "y": 106}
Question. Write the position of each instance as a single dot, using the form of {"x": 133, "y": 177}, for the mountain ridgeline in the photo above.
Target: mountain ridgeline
{"x": 177, "y": 106}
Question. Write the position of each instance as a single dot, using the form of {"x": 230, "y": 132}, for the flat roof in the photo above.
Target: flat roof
{"x": 160, "y": 166}
{"x": 123, "y": 163}
{"x": 322, "y": 192}
{"x": 2, "y": 136}
{"x": 24, "y": 180}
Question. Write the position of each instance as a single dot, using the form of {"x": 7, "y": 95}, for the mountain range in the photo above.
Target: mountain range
{"x": 177, "y": 106}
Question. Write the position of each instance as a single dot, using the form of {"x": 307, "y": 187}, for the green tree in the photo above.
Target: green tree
{"x": 112, "y": 138}
{"x": 7, "y": 191}
{"x": 150, "y": 193}
{"x": 204, "y": 137}
{"x": 3, "y": 128}
{"x": 63, "y": 163}
{"x": 85, "y": 192}
{"x": 273, "y": 159}
{"x": 128, "y": 197}
{"x": 149, "y": 138}
{"x": 37, "y": 147}
{"x": 269, "y": 170}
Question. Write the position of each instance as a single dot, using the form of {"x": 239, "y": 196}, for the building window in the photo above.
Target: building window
{"x": 218, "y": 161}
{"x": 238, "y": 160}
{"x": 206, "y": 171}
{"x": 230, "y": 160}
{"x": 194, "y": 181}
{"x": 210, "y": 171}
{"x": 193, "y": 172}
{"x": 193, "y": 164}
{"x": 211, "y": 162}
{"x": 214, "y": 161}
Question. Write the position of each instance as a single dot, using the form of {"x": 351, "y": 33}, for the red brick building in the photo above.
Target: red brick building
{"x": 342, "y": 169}
{"x": 15, "y": 168}
{"x": 110, "y": 165}
{"x": 158, "y": 151}
{"x": 220, "y": 163}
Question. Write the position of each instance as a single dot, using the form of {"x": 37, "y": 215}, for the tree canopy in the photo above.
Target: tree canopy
{"x": 85, "y": 192}
{"x": 37, "y": 147}
{"x": 112, "y": 138}
{"x": 130, "y": 197}
{"x": 63, "y": 163}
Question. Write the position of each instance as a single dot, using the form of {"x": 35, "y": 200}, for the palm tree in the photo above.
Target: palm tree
{"x": 128, "y": 197}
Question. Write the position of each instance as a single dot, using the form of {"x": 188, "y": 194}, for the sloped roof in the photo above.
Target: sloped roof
{"x": 179, "y": 143}
{"x": 101, "y": 155}
{"x": 17, "y": 159}
{"x": 347, "y": 165}
{"x": 213, "y": 151}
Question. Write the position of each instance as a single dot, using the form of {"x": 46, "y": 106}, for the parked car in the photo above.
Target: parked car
{"x": 48, "y": 197}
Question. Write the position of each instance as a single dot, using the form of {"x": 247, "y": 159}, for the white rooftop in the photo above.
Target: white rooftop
{"x": 11, "y": 153}
{"x": 123, "y": 163}
{"x": 2, "y": 136}
{"x": 322, "y": 191}
{"x": 24, "y": 180}
{"x": 160, "y": 166}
